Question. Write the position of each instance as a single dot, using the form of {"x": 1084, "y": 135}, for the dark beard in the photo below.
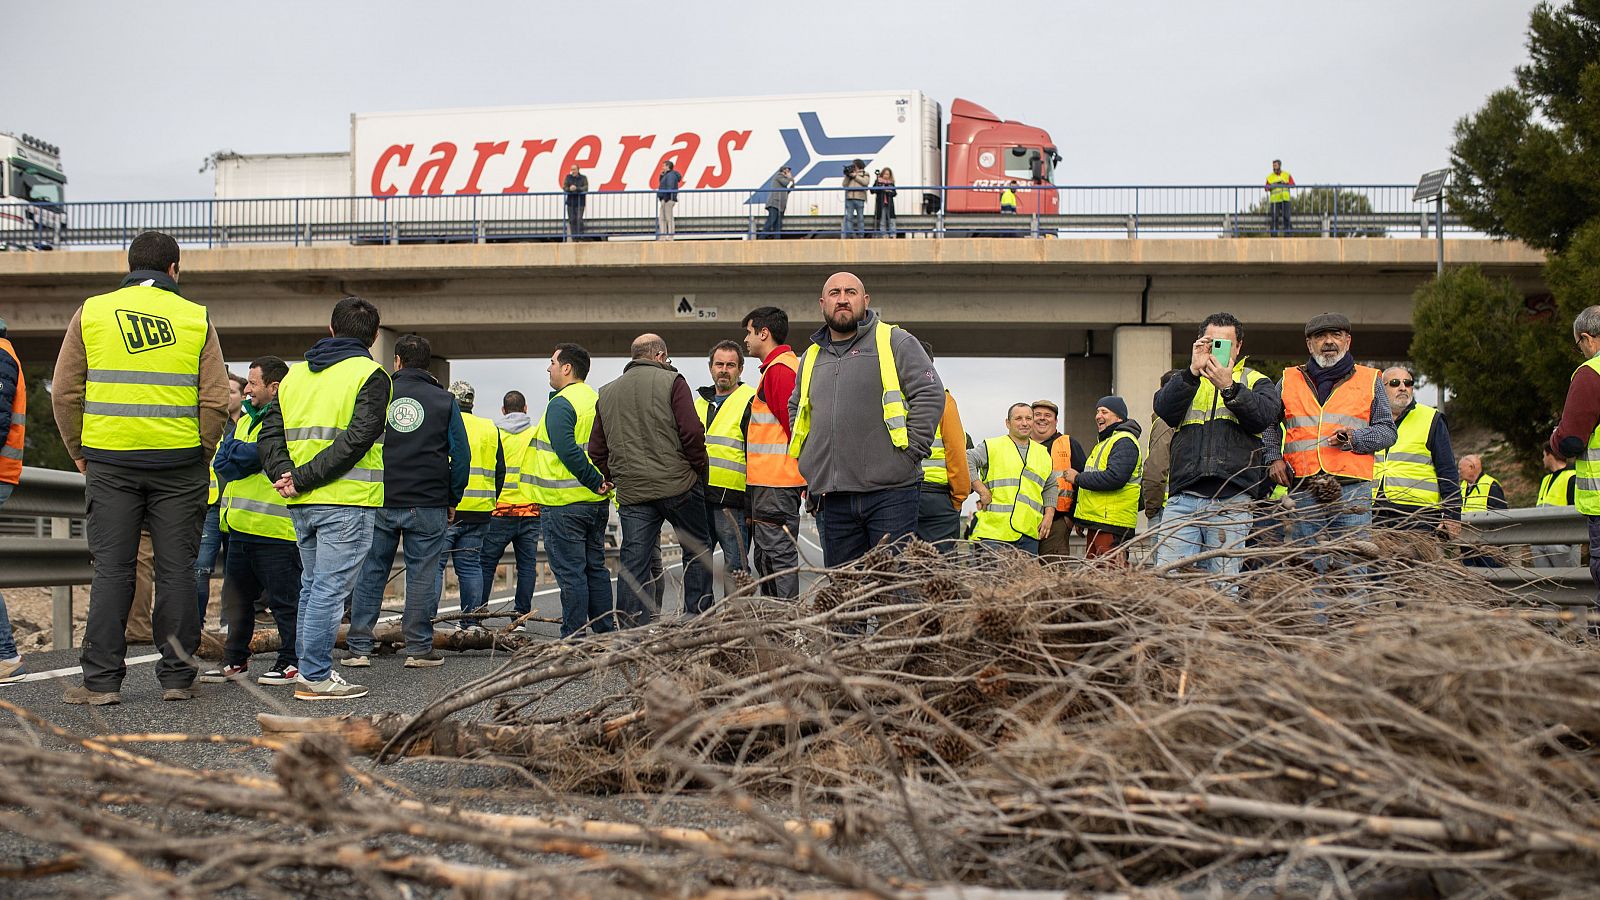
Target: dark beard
{"x": 850, "y": 322}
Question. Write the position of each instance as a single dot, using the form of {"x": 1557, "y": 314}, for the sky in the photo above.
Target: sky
{"x": 1134, "y": 92}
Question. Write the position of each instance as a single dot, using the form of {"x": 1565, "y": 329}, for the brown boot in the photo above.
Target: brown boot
{"x": 81, "y": 695}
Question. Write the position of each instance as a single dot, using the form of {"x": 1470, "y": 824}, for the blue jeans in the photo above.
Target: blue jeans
{"x": 1026, "y": 545}
{"x": 212, "y": 540}
{"x": 334, "y": 541}
{"x": 854, "y": 218}
{"x": 774, "y": 223}
{"x": 1315, "y": 522}
{"x": 522, "y": 534}
{"x": 1196, "y": 525}
{"x": 729, "y": 533}
{"x": 8, "y": 644}
{"x": 463, "y": 544}
{"x": 575, "y": 540}
{"x": 852, "y": 524}
{"x": 641, "y": 535}
{"x": 422, "y": 529}
{"x": 1278, "y": 219}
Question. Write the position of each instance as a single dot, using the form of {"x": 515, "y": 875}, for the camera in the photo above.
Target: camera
{"x": 849, "y": 169}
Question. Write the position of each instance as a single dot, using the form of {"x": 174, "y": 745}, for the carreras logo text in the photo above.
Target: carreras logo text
{"x": 142, "y": 331}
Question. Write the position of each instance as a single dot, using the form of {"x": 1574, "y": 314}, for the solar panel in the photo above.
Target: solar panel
{"x": 1431, "y": 185}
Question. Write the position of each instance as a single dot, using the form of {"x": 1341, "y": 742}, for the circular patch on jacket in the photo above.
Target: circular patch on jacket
{"x": 405, "y": 415}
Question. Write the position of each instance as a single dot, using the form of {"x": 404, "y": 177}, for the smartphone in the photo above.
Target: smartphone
{"x": 1222, "y": 352}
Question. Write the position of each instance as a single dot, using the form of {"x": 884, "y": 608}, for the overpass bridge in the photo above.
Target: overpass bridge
{"x": 1114, "y": 310}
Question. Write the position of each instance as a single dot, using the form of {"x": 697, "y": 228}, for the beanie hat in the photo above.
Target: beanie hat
{"x": 462, "y": 391}
{"x": 1115, "y": 404}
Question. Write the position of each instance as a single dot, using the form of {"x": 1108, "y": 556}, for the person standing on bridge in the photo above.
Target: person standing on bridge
{"x": 263, "y": 563}
{"x": 1012, "y": 477}
{"x": 576, "y": 186}
{"x": 864, "y": 417}
{"x": 667, "y": 200}
{"x": 463, "y": 541}
{"x": 141, "y": 397}
{"x": 1219, "y": 408}
{"x": 573, "y": 497}
{"x": 322, "y": 445}
{"x": 1415, "y": 482}
{"x": 1278, "y": 201}
{"x": 946, "y": 478}
{"x": 856, "y": 182}
{"x": 772, "y": 475}
{"x": 13, "y": 424}
{"x": 426, "y": 457}
{"x": 516, "y": 515}
{"x": 777, "y": 202}
{"x": 1336, "y": 416}
{"x": 1065, "y": 454}
{"x": 655, "y": 451}
{"x": 1577, "y": 436}
{"x": 724, "y": 409}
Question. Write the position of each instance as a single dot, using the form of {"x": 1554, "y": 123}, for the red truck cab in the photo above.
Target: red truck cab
{"x": 986, "y": 152}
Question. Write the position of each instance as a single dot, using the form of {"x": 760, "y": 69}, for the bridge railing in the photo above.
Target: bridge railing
{"x": 1380, "y": 210}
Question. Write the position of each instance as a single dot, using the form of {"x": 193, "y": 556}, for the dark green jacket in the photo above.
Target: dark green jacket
{"x": 647, "y": 437}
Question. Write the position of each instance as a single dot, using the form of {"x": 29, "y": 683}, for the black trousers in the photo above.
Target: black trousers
{"x": 172, "y": 502}
{"x": 257, "y": 571}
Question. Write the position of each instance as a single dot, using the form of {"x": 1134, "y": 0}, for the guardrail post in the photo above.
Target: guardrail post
{"x": 751, "y": 234}
{"x": 1035, "y": 228}
{"x": 61, "y": 595}
{"x": 1326, "y": 226}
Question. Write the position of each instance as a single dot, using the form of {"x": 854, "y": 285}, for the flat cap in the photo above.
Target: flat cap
{"x": 1328, "y": 322}
{"x": 1046, "y": 404}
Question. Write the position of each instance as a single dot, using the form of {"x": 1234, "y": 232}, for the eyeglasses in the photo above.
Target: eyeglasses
{"x": 1396, "y": 382}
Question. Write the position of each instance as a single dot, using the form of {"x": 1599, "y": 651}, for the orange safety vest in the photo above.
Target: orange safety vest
{"x": 1061, "y": 461}
{"x": 1309, "y": 424}
{"x": 767, "y": 459}
{"x": 11, "y": 452}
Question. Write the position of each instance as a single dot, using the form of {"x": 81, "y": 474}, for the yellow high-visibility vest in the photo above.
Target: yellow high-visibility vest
{"x": 1016, "y": 491}
{"x": 894, "y": 402}
{"x": 1475, "y": 497}
{"x": 518, "y": 456}
{"x": 142, "y": 392}
{"x": 252, "y": 505}
{"x": 484, "y": 439}
{"x": 1118, "y": 507}
{"x": 316, "y": 408}
{"x": 1553, "y": 488}
{"x": 1404, "y": 473}
{"x": 1281, "y": 180}
{"x": 547, "y": 479}
{"x": 725, "y": 439}
{"x": 1588, "y": 464}
{"x": 934, "y": 470}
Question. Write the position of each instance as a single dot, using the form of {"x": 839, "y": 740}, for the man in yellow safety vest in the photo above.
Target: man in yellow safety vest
{"x": 1415, "y": 483}
{"x": 463, "y": 541}
{"x": 1558, "y": 487}
{"x": 322, "y": 444}
{"x": 864, "y": 415}
{"x": 1015, "y": 485}
{"x": 724, "y": 408}
{"x": 1577, "y": 436}
{"x": 1278, "y": 202}
{"x": 140, "y": 395}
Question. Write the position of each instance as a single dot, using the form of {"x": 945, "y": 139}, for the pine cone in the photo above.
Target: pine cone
{"x": 951, "y": 748}
{"x": 991, "y": 681}
{"x": 993, "y": 623}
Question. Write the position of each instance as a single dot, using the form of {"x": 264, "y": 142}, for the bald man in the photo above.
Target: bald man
{"x": 648, "y": 441}
{"x": 861, "y": 429}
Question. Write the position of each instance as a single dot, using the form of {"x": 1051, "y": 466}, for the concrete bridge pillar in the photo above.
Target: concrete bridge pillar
{"x": 439, "y": 368}
{"x": 1140, "y": 354}
{"x": 1088, "y": 378}
{"x": 383, "y": 347}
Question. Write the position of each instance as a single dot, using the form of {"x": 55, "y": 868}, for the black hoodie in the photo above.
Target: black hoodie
{"x": 366, "y": 423}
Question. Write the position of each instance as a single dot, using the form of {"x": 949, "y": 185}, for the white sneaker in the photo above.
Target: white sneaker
{"x": 356, "y": 662}
{"x": 331, "y": 688}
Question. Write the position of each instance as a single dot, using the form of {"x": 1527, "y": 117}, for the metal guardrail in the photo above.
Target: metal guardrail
{"x": 58, "y": 562}
{"x": 1130, "y": 210}
{"x": 1566, "y": 586}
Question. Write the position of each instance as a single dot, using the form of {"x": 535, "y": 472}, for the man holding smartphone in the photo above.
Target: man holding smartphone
{"x": 1220, "y": 408}
{"x": 1336, "y": 416}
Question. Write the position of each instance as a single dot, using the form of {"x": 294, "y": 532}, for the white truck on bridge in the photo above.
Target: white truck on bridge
{"x": 733, "y": 146}
{"x": 33, "y": 185}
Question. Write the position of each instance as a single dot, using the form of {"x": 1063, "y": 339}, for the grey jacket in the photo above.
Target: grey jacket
{"x": 849, "y": 448}
{"x": 778, "y": 192}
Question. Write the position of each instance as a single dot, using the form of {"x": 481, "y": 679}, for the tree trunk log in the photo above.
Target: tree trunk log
{"x": 212, "y": 643}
